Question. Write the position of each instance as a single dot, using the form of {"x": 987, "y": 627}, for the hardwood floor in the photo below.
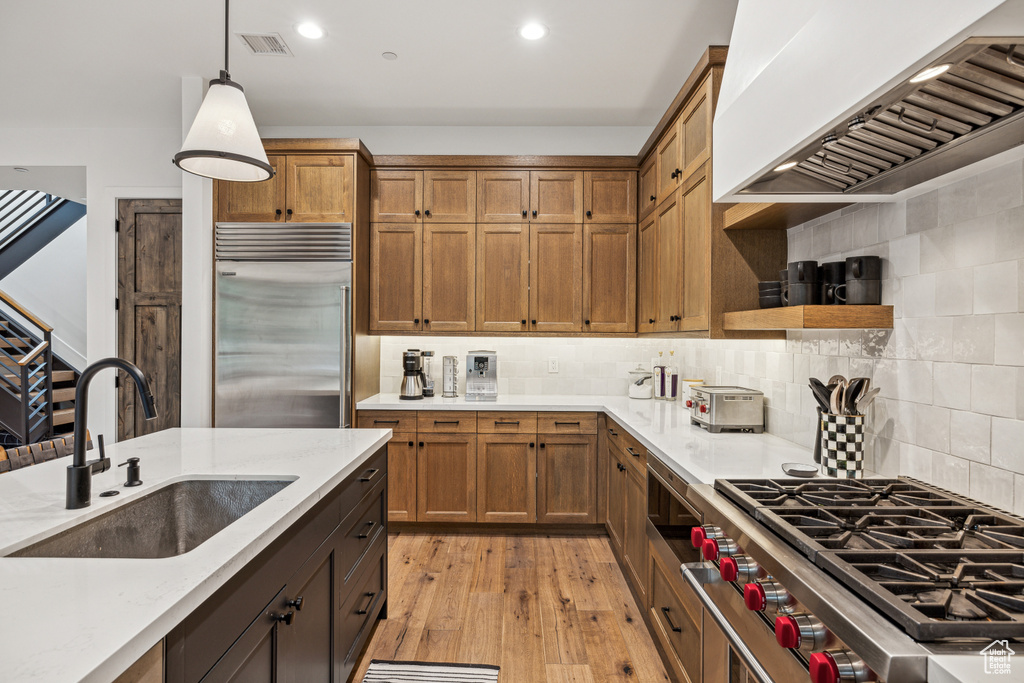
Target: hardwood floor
{"x": 543, "y": 608}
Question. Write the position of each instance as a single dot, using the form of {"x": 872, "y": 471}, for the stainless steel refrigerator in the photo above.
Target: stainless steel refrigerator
{"x": 283, "y": 325}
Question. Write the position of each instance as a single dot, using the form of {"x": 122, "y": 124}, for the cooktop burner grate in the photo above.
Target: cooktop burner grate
{"x": 751, "y": 494}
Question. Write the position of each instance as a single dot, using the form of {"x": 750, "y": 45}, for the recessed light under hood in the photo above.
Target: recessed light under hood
{"x": 917, "y": 131}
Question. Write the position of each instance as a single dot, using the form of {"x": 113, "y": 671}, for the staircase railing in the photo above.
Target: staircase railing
{"x": 21, "y": 208}
{"x": 28, "y": 379}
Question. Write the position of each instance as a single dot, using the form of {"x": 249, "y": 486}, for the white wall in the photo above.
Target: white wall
{"x": 51, "y": 284}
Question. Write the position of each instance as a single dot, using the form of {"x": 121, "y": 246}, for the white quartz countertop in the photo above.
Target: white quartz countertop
{"x": 90, "y": 619}
{"x": 662, "y": 426}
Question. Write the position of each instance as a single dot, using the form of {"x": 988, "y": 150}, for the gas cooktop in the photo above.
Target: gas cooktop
{"x": 936, "y": 563}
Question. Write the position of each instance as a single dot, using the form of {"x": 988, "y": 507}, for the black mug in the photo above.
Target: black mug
{"x": 802, "y": 294}
{"x": 829, "y": 293}
{"x": 833, "y": 272}
{"x": 860, "y": 292}
{"x": 863, "y": 268}
{"x": 803, "y": 271}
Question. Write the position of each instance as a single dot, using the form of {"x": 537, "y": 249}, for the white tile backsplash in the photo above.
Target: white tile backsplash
{"x": 951, "y": 409}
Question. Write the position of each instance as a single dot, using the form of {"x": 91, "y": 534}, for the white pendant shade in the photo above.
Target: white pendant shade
{"x": 223, "y": 142}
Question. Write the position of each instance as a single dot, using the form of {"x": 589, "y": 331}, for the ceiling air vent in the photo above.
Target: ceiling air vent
{"x": 271, "y": 44}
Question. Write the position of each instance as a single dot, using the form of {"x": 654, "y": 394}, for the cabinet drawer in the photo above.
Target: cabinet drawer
{"x": 676, "y": 626}
{"x": 446, "y": 422}
{"x": 567, "y": 423}
{"x": 361, "y": 605}
{"x": 506, "y": 423}
{"x": 361, "y": 529}
{"x": 395, "y": 420}
{"x": 367, "y": 477}
{"x": 631, "y": 450}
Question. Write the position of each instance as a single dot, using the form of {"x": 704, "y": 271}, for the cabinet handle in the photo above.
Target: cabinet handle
{"x": 542, "y": 445}
{"x": 506, "y": 422}
{"x": 369, "y": 525}
{"x": 631, "y": 452}
{"x": 531, "y": 444}
{"x": 367, "y": 609}
{"x": 620, "y": 466}
{"x": 416, "y": 321}
{"x": 370, "y": 474}
{"x": 426, "y": 321}
{"x": 534, "y": 214}
{"x": 296, "y": 603}
{"x": 417, "y": 213}
{"x": 524, "y": 213}
{"x": 446, "y": 422}
{"x": 421, "y": 444}
{"x": 612, "y": 432}
{"x": 577, "y": 422}
{"x": 289, "y": 212}
{"x": 286, "y": 617}
{"x": 675, "y": 629}
{"x": 385, "y": 422}
{"x": 278, "y": 212}
{"x": 653, "y": 197}
{"x": 650, "y": 320}
{"x": 411, "y": 444}
{"x": 427, "y": 213}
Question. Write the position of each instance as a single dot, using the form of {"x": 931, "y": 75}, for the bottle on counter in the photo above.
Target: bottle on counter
{"x": 671, "y": 378}
{"x": 659, "y": 377}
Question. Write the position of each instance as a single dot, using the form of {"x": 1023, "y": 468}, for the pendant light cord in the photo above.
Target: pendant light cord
{"x": 226, "y": 38}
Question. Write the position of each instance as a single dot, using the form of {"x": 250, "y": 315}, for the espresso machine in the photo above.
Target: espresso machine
{"x": 482, "y": 376}
{"x": 412, "y": 380}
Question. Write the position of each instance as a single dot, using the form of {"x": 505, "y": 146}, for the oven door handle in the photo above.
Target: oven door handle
{"x": 698, "y": 573}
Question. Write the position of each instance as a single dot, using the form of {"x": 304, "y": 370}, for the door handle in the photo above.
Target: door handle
{"x": 534, "y": 214}
{"x": 370, "y": 602}
{"x": 369, "y": 476}
{"x": 346, "y": 327}
{"x": 369, "y": 526}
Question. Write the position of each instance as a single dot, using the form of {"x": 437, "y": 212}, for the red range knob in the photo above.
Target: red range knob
{"x": 753, "y": 596}
{"x": 728, "y": 569}
{"x": 697, "y": 537}
{"x": 703, "y": 408}
{"x": 787, "y": 632}
{"x": 824, "y": 668}
{"x": 689, "y": 403}
{"x": 710, "y": 549}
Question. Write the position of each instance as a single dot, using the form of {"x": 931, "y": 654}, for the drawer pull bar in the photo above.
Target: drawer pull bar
{"x": 370, "y": 474}
{"x": 385, "y": 422}
{"x": 632, "y": 452}
{"x": 367, "y": 609}
{"x": 612, "y": 432}
{"x": 369, "y": 525}
{"x": 577, "y": 422}
{"x": 446, "y": 422}
{"x": 675, "y": 629}
{"x": 506, "y": 422}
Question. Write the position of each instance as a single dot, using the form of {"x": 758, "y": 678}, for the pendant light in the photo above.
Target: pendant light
{"x": 223, "y": 142}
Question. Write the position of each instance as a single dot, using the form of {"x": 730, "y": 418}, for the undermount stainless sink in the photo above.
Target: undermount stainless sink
{"x": 170, "y": 521}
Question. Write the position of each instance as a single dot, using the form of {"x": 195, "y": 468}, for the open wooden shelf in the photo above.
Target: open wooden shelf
{"x": 760, "y": 216}
{"x": 811, "y": 318}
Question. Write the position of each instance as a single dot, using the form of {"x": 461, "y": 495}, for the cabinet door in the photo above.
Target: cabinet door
{"x": 647, "y": 180}
{"x": 695, "y": 122}
{"x": 669, "y": 160}
{"x": 446, "y": 478}
{"x": 647, "y": 276}
{"x": 502, "y": 196}
{"x": 635, "y": 554}
{"x": 259, "y": 202}
{"x": 449, "y": 278}
{"x": 669, "y": 219}
{"x": 556, "y": 278}
{"x": 320, "y": 188}
{"x": 609, "y": 196}
{"x": 616, "y": 499}
{"x": 502, "y": 277}
{"x": 396, "y": 197}
{"x": 396, "y": 282}
{"x": 556, "y": 196}
{"x": 567, "y": 479}
{"x": 305, "y": 648}
{"x": 506, "y": 478}
{"x": 449, "y": 196}
{"x": 609, "y": 278}
{"x": 251, "y": 658}
{"x": 402, "y": 478}
{"x": 696, "y": 203}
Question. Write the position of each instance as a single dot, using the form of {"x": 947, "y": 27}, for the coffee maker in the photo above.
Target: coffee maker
{"x": 412, "y": 381}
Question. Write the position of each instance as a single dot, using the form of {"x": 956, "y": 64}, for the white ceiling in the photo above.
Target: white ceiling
{"x": 113, "y": 63}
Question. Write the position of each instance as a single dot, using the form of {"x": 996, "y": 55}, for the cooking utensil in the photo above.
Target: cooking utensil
{"x": 836, "y": 379}
{"x": 799, "y": 469}
{"x": 864, "y": 401}
{"x": 837, "y": 401}
{"x": 854, "y": 391}
{"x": 821, "y": 393}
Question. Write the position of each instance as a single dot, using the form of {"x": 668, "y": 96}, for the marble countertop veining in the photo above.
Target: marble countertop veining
{"x": 663, "y": 427}
{"x": 90, "y": 619}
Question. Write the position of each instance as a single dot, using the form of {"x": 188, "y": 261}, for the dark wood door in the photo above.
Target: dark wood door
{"x": 306, "y": 652}
{"x": 149, "y": 310}
{"x": 567, "y": 479}
{"x": 251, "y": 658}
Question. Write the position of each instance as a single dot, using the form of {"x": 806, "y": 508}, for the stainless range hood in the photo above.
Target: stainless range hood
{"x": 918, "y": 131}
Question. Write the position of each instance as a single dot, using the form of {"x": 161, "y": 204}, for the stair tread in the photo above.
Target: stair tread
{"x": 63, "y": 416}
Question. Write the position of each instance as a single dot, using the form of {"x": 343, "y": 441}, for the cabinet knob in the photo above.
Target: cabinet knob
{"x": 289, "y": 212}
{"x": 542, "y": 445}
{"x": 426, "y": 321}
{"x": 427, "y": 213}
{"x": 416, "y": 321}
{"x": 421, "y": 444}
{"x": 534, "y": 214}
{"x": 589, "y": 214}
{"x": 621, "y": 467}
{"x": 278, "y": 212}
{"x": 533, "y": 322}
{"x": 524, "y": 213}
{"x": 586, "y": 322}
{"x": 417, "y": 213}
{"x": 677, "y": 173}
{"x": 653, "y": 197}
{"x": 650, "y": 320}
{"x": 286, "y": 618}
{"x": 531, "y": 444}
{"x": 296, "y": 603}
{"x": 411, "y": 444}
{"x": 522, "y": 322}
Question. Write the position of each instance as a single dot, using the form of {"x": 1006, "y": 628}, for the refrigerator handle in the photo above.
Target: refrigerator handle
{"x": 346, "y": 363}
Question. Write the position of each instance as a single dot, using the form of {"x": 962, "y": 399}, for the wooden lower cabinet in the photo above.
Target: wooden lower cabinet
{"x": 446, "y": 478}
{"x": 616, "y": 522}
{"x": 566, "y": 479}
{"x": 506, "y": 476}
{"x": 402, "y": 478}
{"x": 635, "y": 552}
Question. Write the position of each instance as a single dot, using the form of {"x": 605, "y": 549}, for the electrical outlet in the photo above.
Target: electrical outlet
{"x": 552, "y": 365}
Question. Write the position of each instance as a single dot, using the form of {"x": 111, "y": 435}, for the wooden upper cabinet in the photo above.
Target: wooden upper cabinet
{"x": 248, "y": 202}
{"x": 502, "y": 277}
{"x": 506, "y": 476}
{"x": 669, "y": 161}
{"x": 695, "y": 122}
{"x": 647, "y": 180}
{"x": 319, "y": 188}
{"x": 609, "y": 278}
{"x": 502, "y": 196}
{"x": 449, "y": 196}
{"x": 567, "y": 479}
{"x": 449, "y": 277}
{"x": 669, "y": 226}
{"x": 609, "y": 196}
{"x": 446, "y": 478}
{"x": 556, "y": 278}
{"x": 647, "y": 275}
{"x": 396, "y": 197}
{"x": 696, "y": 202}
{"x": 396, "y": 289}
{"x": 556, "y": 196}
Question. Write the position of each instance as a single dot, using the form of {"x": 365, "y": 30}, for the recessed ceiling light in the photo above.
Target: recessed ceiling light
{"x": 533, "y": 31}
{"x": 390, "y": 56}
{"x": 930, "y": 73}
{"x": 19, "y": 169}
{"x": 308, "y": 29}
{"x": 786, "y": 166}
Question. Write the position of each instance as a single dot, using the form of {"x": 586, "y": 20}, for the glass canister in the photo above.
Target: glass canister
{"x": 641, "y": 383}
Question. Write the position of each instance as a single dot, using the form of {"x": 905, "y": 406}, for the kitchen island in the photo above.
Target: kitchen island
{"x": 91, "y": 619}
